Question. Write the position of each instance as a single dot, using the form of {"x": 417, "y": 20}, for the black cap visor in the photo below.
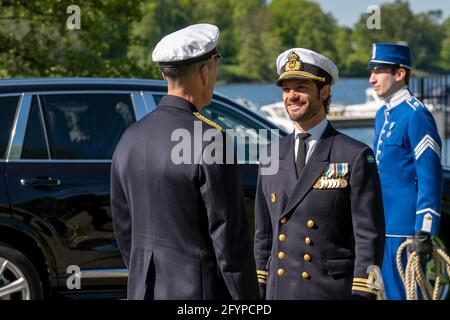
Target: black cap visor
{"x": 378, "y": 66}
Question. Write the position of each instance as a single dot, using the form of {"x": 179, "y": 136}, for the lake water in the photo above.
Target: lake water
{"x": 345, "y": 91}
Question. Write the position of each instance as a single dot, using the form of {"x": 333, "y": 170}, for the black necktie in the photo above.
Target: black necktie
{"x": 301, "y": 152}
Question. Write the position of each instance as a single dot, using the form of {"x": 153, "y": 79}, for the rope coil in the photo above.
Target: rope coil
{"x": 414, "y": 277}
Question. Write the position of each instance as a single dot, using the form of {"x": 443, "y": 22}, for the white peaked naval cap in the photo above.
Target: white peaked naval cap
{"x": 191, "y": 44}
{"x": 300, "y": 63}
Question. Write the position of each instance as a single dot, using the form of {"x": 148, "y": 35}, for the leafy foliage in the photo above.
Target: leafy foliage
{"x": 117, "y": 37}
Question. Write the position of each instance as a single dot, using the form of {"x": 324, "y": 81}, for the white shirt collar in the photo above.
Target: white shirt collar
{"x": 397, "y": 98}
{"x": 316, "y": 132}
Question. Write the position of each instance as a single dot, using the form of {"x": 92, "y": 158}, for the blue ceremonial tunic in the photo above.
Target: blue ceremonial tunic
{"x": 407, "y": 148}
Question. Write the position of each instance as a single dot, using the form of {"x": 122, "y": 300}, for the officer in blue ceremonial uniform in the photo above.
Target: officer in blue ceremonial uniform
{"x": 319, "y": 220}
{"x": 407, "y": 148}
{"x": 181, "y": 226}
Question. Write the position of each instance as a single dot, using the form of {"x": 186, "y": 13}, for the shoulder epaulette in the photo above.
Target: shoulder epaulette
{"x": 212, "y": 123}
{"x": 414, "y": 103}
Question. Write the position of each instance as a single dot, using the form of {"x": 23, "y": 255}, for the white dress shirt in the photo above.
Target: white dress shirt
{"x": 315, "y": 134}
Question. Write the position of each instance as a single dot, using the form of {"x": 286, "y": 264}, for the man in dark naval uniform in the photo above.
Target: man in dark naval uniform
{"x": 179, "y": 217}
{"x": 319, "y": 220}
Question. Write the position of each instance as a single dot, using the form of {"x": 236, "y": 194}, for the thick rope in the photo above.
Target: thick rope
{"x": 414, "y": 276}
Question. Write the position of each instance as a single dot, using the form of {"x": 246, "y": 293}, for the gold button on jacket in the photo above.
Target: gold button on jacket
{"x": 280, "y": 272}
{"x": 315, "y": 246}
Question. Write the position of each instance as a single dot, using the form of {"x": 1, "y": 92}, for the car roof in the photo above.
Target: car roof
{"x": 15, "y": 85}
{"x": 57, "y": 84}
{"x": 20, "y": 85}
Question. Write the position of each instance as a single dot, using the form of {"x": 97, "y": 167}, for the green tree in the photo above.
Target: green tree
{"x": 302, "y": 23}
{"x": 259, "y": 46}
{"x": 117, "y": 37}
{"x": 399, "y": 24}
{"x": 36, "y": 42}
{"x": 343, "y": 45}
{"x": 445, "y": 46}
{"x": 161, "y": 17}
{"x": 248, "y": 46}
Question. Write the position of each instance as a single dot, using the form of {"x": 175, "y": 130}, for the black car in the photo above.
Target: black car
{"x": 56, "y": 142}
{"x": 57, "y": 137}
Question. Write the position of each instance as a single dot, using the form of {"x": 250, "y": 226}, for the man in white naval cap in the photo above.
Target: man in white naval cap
{"x": 181, "y": 228}
{"x": 319, "y": 221}
{"x": 408, "y": 153}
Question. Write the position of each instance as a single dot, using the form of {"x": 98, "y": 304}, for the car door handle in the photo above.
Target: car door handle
{"x": 40, "y": 182}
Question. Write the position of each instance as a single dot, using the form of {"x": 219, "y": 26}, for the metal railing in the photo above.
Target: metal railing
{"x": 434, "y": 92}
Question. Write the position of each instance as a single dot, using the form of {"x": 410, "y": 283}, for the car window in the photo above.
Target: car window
{"x": 230, "y": 119}
{"x": 86, "y": 126}
{"x": 227, "y": 117}
{"x": 34, "y": 144}
{"x": 8, "y": 107}
{"x": 246, "y": 129}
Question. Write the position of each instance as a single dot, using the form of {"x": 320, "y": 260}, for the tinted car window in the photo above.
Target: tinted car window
{"x": 227, "y": 118}
{"x": 86, "y": 126}
{"x": 246, "y": 130}
{"x": 34, "y": 145}
{"x": 8, "y": 107}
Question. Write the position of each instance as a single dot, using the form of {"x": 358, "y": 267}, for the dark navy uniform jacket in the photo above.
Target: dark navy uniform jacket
{"x": 182, "y": 229}
{"x": 321, "y": 236}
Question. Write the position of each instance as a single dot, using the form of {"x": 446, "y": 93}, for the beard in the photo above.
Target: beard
{"x": 305, "y": 111}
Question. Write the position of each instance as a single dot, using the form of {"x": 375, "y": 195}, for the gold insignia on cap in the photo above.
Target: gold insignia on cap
{"x": 292, "y": 69}
{"x": 294, "y": 63}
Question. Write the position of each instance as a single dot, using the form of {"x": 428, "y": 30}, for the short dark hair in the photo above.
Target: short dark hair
{"x": 394, "y": 69}
{"x": 327, "y": 101}
{"x": 182, "y": 70}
